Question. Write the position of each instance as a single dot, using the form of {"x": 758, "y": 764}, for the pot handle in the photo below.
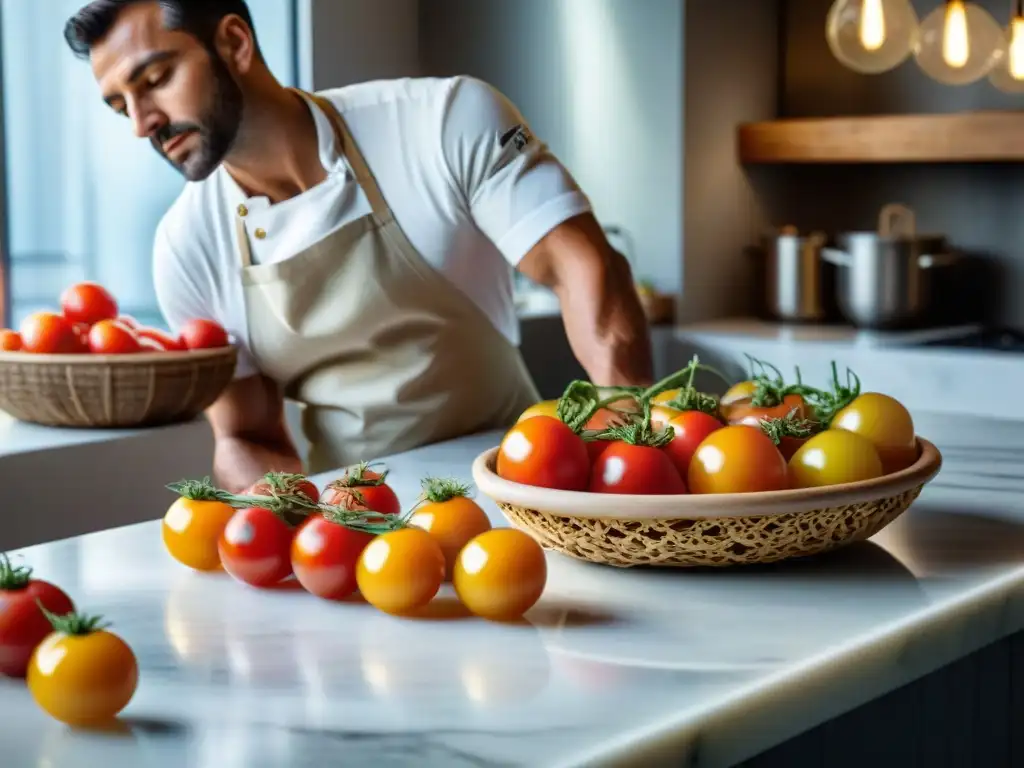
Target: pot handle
{"x": 837, "y": 257}
{"x": 933, "y": 260}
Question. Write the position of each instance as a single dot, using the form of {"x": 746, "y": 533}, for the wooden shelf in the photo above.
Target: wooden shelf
{"x": 965, "y": 137}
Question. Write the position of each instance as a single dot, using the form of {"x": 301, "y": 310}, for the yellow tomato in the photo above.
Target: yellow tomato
{"x": 191, "y": 530}
{"x": 886, "y": 423}
{"x": 543, "y": 408}
{"x": 832, "y": 457}
{"x": 400, "y": 571}
{"x": 661, "y": 415}
{"x": 737, "y": 392}
{"x": 737, "y": 459}
{"x": 82, "y": 674}
{"x": 664, "y": 397}
{"x": 500, "y": 574}
{"x": 452, "y": 522}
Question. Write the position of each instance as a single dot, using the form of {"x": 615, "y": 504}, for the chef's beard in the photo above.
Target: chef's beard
{"x": 216, "y": 131}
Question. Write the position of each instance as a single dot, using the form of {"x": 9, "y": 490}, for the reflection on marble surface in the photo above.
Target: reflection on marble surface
{"x": 609, "y": 661}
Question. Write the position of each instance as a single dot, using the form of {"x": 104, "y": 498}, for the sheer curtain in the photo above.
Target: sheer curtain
{"x": 84, "y": 195}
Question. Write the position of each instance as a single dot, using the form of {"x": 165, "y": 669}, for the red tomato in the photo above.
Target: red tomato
{"x": 376, "y": 494}
{"x": 283, "y": 483}
{"x": 603, "y": 419}
{"x": 203, "y": 334}
{"x": 109, "y": 337}
{"x": 544, "y": 452}
{"x": 255, "y": 547}
{"x": 48, "y": 333}
{"x": 22, "y": 625}
{"x": 88, "y": 303}
{"x": 737, "y": 459}
{"x": 162, "y": 339}
{"x": 10, "y": 341}
{"x": 635, "y": 469}
{"x": 690, "y": 427}
{"x": 324, "y": 557}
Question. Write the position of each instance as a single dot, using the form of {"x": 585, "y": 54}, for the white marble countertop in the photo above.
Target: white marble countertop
{"x": 613, "y": 667}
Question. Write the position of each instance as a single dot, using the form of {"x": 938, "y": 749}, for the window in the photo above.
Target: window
{"x": 83, "y": 194}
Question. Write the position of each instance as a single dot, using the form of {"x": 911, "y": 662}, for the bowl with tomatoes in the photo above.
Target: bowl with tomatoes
{"x": 670, "y": 476}
{"x": 87, "y": 365}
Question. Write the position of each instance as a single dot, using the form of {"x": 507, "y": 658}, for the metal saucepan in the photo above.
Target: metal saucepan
{"x": 883, "y": 279}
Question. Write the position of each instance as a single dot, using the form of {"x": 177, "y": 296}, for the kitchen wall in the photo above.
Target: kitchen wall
{"x": 977, "y": 206}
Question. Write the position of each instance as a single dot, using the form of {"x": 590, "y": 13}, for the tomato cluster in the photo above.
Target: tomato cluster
{"x": 762, "y": 435}
{"x": 77, "y": 671}
{"x": 89, "y": 322}
{"x": 353, "y": 537}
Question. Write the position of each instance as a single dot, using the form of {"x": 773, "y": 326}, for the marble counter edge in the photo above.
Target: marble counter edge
{"x": 772, "y": 710}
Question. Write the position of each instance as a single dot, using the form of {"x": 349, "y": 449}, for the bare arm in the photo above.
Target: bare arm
{"x": 251, "y": 437}
{"x": 605, "y": 323}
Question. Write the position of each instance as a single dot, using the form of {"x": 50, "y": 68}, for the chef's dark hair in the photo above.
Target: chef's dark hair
{"x": 197, "y": 17}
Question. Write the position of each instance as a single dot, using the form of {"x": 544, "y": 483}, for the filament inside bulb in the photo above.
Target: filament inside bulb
{"x": 956, "y": 48}
{"x": 1016, "y": 51}
{"x": 872, "y": 25}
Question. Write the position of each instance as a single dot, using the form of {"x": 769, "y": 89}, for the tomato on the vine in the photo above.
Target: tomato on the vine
{"x": 450, "y": 516}
{"x": 884, "y": 421}
{"x": 500, "y": 574}
{"x": 737, "y": 459}
{"x": 635, "y": 469}
{"x": 542, "y": 451}
{"x": 606, "y": 418}
{"x": 49, "y": 333}
{"x": 284, "y": 484}
{"x": 401, "y": 571}
{"x": 745, "y": 412}
{"x": 88, "y": 303}
{"x": 82, "y": 674}
{"x": 192, "y": 528}
{"x": 22, "y": 625}
{"x": 110, "y": 337}
{"x": 363, "y": 488}
{"x": 324, "y": 556}
{"x": 689, "y": 429}
{"x": 255, "y": 547}
{"x": 833, "y": 457}
{"x": 743, "y": 390}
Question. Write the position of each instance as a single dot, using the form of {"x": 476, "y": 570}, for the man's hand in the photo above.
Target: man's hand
{"x": 251, "y": 434}
{"x": 605, "y": 323}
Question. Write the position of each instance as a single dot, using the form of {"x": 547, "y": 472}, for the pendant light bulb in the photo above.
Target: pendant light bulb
{"x": 959, "y": 43}
{"x": 1008, "y": 74}
{"x": 871, "y": 36}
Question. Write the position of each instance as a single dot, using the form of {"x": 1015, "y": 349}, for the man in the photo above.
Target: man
{"x": 357, "y": 244}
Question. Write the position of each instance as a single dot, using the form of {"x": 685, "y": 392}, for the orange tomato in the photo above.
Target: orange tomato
{"x": 401, "y": 571}
{"x": 324, "y": 557}
{"x": 744, "y": 390}
{"x": 10, "y": 341}
{"x": 48, "y": 333}
{"x": 500, "y": 574}
{"x": 450, "y": 516}
{"x": 192, "y": 529}
{"x": 542, "y": 451}
{"x": 833, "y": 457}
{"x": 745, "y": 412}
{"x": 605, "y": 418}
{"x": 667, "y": 396}
{"x": 543, "y": 408}
{"x": 737, "y": 459}
{"x": 82, "y": 674}
{"x": 89, "y": 303}
{"x": 110, "y": 337}
{"x": 886, "y": 423}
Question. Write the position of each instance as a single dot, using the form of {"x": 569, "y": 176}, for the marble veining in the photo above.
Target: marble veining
{"x": 611, "y": 667}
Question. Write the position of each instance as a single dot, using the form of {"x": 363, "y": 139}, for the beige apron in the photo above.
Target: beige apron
{"x": 382, "y": 352}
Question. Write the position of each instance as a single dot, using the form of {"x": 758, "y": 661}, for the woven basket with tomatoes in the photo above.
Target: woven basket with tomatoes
{"x": 87, "y": 365}
{"x": 669, "y": 475}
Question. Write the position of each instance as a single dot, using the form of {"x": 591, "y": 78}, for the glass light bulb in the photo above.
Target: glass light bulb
{"x": 871, "y": 36}
{"x": 1008, "y": 73}
{"x": 958, "y": 43}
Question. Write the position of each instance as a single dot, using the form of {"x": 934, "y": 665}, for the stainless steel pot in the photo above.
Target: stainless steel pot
{"x": 795, "y": 282}
{"x": 883, "y": 280}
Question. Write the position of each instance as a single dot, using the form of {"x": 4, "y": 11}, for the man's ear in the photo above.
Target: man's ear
{"x": 236, "y": 44}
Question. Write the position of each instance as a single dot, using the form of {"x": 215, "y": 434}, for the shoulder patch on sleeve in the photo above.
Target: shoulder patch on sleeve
{"x": 518, "y": 135}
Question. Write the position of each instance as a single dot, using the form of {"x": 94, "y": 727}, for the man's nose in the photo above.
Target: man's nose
{"x": 146, "y": 120}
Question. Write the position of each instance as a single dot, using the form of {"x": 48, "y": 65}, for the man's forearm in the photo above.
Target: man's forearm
{"x": 606, "y": 325}
{"x": 238, "y": 463}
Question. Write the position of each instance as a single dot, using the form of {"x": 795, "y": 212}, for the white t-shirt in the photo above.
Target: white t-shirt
{"x": 471, "y": 197}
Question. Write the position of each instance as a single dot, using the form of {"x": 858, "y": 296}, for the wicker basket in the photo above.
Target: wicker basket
{"x": 140, "y": 390}
{"x": 706, "y": 529}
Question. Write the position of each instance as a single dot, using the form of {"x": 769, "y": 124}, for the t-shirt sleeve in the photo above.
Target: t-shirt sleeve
{"x": 515, "y": 189}
{"x": 182, "y": 295}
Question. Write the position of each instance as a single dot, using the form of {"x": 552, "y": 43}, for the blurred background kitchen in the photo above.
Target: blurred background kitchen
{"x": 667, "y": 113}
